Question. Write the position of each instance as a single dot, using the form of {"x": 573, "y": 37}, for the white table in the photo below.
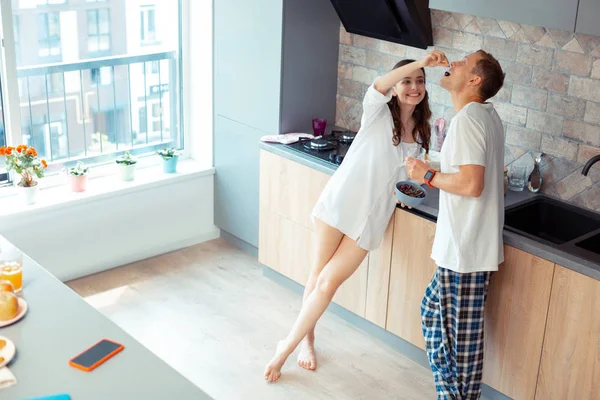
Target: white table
{"x": 46, "y": 339}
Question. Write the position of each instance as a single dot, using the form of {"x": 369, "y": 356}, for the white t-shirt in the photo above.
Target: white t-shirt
{"x": 468, "y": 236}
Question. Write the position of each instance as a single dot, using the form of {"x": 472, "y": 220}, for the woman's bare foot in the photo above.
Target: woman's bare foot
{"x": 307, "y": 358}
{"x": 273, "y": 369}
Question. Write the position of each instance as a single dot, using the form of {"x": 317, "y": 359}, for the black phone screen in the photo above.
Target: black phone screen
{"x": 96, "y": 353}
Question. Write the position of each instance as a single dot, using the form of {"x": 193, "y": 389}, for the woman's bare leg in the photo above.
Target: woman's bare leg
{"x": 345, "y": 261}
{"x": 326, "y": 241}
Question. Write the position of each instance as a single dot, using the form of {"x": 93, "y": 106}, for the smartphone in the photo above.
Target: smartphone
{"x": 95, "y": 355}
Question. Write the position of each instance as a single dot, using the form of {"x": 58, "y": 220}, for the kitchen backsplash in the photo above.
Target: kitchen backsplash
{"x": 550, "y": 102}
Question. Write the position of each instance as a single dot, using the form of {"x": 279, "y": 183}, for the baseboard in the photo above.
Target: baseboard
{"x": 402, "y": 346}
{"x": 244, "y": 246}
{"x": 147, "y": 253}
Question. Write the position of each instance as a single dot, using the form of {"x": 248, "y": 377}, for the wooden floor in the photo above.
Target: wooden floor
{"x": 208, "y": 312}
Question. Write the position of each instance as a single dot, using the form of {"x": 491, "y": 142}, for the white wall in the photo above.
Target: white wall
{"x": 110, "y": 232}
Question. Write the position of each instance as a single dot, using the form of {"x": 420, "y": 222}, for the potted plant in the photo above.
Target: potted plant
{"x": 126, "y": 164}
{"x": 78, "y": 177}
{"x": 24, "y": 161}
{"x": 170, "y": 157}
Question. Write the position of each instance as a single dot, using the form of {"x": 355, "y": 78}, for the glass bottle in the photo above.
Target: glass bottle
{"x": 534, "y": 183}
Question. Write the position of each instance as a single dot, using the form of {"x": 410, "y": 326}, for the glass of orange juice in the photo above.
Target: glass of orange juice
{"x": 11, "y": 266}
{"x": 14, "y": 274}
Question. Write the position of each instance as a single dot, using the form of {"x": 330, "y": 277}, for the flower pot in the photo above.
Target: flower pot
{"x": 170, "y": 165}
{"x": 78, "y": 183}
{"x": 126, "y": 172}
{"x": 29, "y": 194}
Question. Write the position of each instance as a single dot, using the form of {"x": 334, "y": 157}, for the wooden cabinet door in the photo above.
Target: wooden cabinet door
{"x": 285, "y": 246}
{"x": 378, "y": 281}
{"x": 410, "y": 272}
{"x": 571, "y": 353}
{"x": 515, "y": 319}
{"x": 288, "y": 188}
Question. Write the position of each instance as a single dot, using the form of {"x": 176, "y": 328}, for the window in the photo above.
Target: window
{"x": 98, "y": 30}
{"x": 147, "y": 24}
{"x": 94, "y": 107}
{"x": 49, "y": 35}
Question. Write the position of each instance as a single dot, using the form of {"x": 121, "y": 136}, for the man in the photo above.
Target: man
{"x": 468, "y": 243}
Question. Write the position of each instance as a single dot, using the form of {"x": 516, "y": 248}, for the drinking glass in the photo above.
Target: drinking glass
{"x": 319, "y": 125}
{"x": 11, "y": 265}
{"x": 516, "y": 178}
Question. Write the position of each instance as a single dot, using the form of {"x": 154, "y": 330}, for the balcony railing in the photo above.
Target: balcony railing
{"x": 93, "y": 110}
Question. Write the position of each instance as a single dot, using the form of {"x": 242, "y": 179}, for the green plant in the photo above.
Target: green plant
{"x": 25, "y": 162}
{"x": 79, "y": 169}
{"x": 126, "y": 159}
{"x": 168, "y": 153}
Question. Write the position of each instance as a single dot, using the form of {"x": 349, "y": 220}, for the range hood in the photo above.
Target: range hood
{"x": 406, "y": 22}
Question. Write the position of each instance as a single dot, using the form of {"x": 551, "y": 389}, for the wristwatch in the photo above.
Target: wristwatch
{"x": 428, "y": 177}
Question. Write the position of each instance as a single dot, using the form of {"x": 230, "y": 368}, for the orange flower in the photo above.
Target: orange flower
{"x": 9, "y": 150}
{"x": 32, "y": 152}
{"x": 21, "y": 147}
{"x": 44, "y": 164}
{"x": 2, "y": 151}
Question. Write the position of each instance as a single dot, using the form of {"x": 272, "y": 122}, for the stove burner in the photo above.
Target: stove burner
{"x": 319, "y": 144}
{"x": 347, "y": 137}
{"x": 336, "y": 158}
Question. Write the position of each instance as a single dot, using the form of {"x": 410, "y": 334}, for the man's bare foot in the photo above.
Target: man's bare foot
{"x": 273, "y": 369}
{"x": 307, "y": 358}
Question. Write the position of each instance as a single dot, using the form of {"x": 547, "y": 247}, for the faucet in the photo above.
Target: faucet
{"x": 588, "y": 165}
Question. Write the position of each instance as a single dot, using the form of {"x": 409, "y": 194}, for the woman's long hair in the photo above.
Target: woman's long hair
{"x": 421, "y": 115}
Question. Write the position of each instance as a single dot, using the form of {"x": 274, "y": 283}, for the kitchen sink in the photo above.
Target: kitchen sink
{"x": 591, "y": 244}
{"x": 553, "y": 221}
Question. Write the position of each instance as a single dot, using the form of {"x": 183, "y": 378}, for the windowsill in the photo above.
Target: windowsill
{"x": 98, "y": 188}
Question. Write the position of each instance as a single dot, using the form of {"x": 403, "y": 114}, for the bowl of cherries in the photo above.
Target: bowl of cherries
{"x": 410, "y": 194}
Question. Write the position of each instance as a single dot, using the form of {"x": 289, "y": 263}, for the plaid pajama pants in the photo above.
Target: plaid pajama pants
{"x": 452, "y": 321}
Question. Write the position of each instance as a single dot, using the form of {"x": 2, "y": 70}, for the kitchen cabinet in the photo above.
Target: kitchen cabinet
{"x": 587, "y": 17}
{"x": 516, "y": 307}
{"x": 570, "y": 366}
{"x": 515, "y": 320}
{"x": 266, "y": 82}
{"x": 288, "y": 188}
{"x": 541, "y": 320}
{"x": 288, "y": 192}
{"x": 556, "y": 14}
{"x": 378, "y": 279}
{"x": 410, "y": 272}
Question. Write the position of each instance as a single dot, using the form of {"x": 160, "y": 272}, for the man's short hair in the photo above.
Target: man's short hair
{"x": 492, "y": 76}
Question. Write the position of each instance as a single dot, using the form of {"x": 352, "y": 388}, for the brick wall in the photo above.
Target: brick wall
{"x": 550, "y": 101}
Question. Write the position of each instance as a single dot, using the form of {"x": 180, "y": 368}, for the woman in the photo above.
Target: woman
{"x": 355, "y": 207}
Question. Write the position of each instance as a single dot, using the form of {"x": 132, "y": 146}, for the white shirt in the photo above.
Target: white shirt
{"x": 359, "y": 198}
{"x": 468, "y": 236}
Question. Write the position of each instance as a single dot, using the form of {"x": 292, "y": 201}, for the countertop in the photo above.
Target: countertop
{"x": 58, "y": 325}
{"x": 429, "y": 210}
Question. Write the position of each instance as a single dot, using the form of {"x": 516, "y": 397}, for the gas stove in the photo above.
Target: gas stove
{"x": 330, "y": 148}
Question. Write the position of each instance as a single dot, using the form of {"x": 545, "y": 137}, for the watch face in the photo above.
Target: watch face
{"x": 428, "y": 175}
